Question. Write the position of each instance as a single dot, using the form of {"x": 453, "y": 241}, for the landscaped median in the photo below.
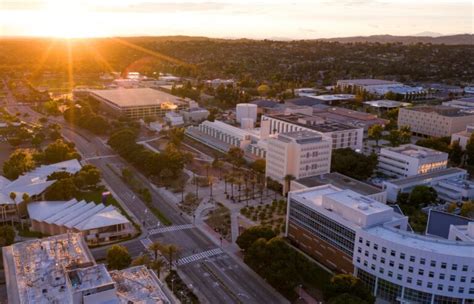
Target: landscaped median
{"x": 144, "y": 193}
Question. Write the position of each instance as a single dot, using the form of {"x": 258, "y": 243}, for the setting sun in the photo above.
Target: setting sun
{"x": 64, "y": 19}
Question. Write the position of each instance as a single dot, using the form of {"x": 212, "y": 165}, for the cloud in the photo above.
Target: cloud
{"x": 21, "y": 5}
{"x": 165, "y": 7}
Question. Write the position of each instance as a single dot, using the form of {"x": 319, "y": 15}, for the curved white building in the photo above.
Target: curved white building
{"x": 352, "y": 233}
{"x": 400, "y": 266}
{"x": 246, "y": 110}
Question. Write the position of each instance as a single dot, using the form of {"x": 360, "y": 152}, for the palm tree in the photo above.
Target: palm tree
{"x": 217, "y": 165}
{"x": 157, "y": 265}
{"x": 155, "y": 247}
{"x": 171, "y": 251}
{"x": 13, "y": 198}
{"x": 288, "y": 179}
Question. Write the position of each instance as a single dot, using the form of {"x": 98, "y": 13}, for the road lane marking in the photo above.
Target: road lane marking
{"x": 199, "y": 256}
{"x": 146, "y": 242}
{"x": 169, "y": 229}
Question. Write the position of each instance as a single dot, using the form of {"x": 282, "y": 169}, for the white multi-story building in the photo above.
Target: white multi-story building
{"x": 463, "y": 137}
{"x": 246, "y": 110}
{"x": 437, "y": 121}
{"x": 352, "y": 233}
{"x": 342, "y": 135}
{"x": 409, "y": 160}
{"x": 299, "y": 154}
{"x": 174, "y": 119}
{"x": 451, "y": 184}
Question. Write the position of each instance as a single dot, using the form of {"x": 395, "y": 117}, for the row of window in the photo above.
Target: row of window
{"x": 409, "y": 279}
{"x": 412, "y": 258}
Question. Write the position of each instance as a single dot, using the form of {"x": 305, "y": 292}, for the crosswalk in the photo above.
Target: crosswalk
{"x": 169, "y": 229}
{"x": 146, "y": 242}
{"x": 199, "y": 256}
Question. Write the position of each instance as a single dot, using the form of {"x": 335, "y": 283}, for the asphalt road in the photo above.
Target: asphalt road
{"x": 216, "y": 279}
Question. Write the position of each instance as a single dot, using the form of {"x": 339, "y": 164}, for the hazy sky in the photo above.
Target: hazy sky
{"x": 233, "y": 18}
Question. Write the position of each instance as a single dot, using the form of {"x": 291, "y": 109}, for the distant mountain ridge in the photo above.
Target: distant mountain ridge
{"x": 465, "y": 39}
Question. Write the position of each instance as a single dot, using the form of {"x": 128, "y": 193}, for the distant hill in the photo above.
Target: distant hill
{"x": 465, "y": 39}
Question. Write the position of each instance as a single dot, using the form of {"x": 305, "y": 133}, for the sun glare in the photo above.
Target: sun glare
{"x": 64, "y": 19}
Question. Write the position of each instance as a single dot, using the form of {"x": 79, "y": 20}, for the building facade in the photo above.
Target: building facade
{"x": 342, "y": 135}
{"x": 409, "y": 160}
{"x": 351, "y": 233}
{"x": 463, "y": 137}
{"x": 297, "y": 154}
{"x": 138, "y": 102}
{"x": 436, "y": 121}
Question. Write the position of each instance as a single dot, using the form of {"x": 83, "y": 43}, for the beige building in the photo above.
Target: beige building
{"x": 437, "y": 121}
{"x": 410, "y": 160}
{"x": 463, "y": 136}
{"x": 342, "y": 135}
{"x": 299, "y": 154}
{"x": 138, "y": 102}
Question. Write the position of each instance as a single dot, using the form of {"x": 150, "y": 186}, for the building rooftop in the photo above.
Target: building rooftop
{"x": 301, "y": 137}
{"x": 303, "y": 101}
{"x": 405, "y": 239}
{"x": 138, "y": 97}
{"x": 442, "y": 110}
{"x": 138, "y": 285}
{"x": 35, "y": 181}
{"x": 73, "y": 214}
{"x": 340, "y": 181}
{"x": 426, "y": 176}
{"x": 385, "y": 103}
{"x": 348, "y": 116}
{"x": 345, "y": 206}
{"x": 415, "y": 151}
{"x": 334, "y": 97}
{"x": 36, "y": 270}
{"x": 366, "y": 82}
{"x": 265, "y": 103}
{"x": 235, "y": 131}
{"x": 88, "y": 278}
{"x": 311, "y": 122}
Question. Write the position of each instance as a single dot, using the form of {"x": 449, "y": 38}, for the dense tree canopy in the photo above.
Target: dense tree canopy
{"x": 118, "y": 257}
{"x": 7, "y": 235}
{"x": 347, "y": 284}
{"x": 422, "y": 195}
{"x": 353, "y": 164}
{"x": 19, "y": 162}
{"x": 59, "y": 151}
{"x": 250, "y": 235}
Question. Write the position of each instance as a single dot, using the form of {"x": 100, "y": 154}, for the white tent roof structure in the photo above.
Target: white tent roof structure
{"x": 75, "y": 215}
{"x": 34, "y": 182}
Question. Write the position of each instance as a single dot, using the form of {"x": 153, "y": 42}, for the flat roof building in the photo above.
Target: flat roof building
{"x": 352, "y": 233}
{"x": 451, "y": 184}
{"x": 409, "y": 160}
{"x": 343, "y": 135}
{"x": 61, "y": 269}
{"x": 349, "y": 117}
{"x": 298, "y": 154}
{"x": 138, "y": 102}
{"x": 385, "y": 104}
{"x": 342, "y": 182}
{"x": 57, "y": 269}
{"x": 138, "y": 285}
{"x": 437, "y": 121}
